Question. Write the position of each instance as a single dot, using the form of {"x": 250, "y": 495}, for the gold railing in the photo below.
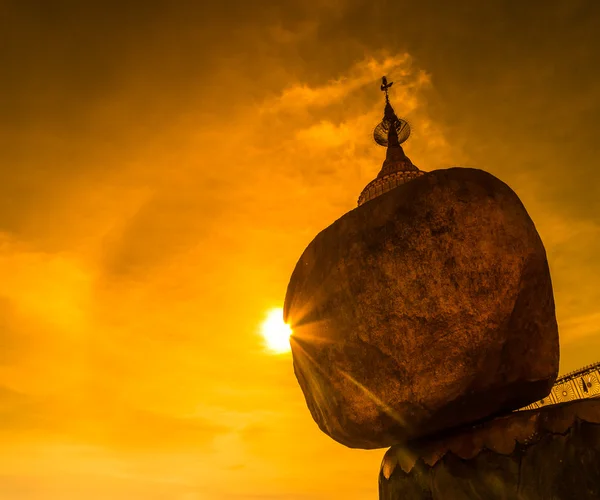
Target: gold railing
{"x": 580, "y": 384}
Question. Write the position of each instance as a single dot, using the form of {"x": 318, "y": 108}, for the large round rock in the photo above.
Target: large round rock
{"x": 428, "y": 307}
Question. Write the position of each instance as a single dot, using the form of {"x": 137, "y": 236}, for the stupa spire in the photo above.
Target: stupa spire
{"x": 397, "y": 167}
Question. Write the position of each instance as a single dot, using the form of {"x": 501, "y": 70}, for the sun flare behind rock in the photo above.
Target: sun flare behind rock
{"x": 275, "y": 332}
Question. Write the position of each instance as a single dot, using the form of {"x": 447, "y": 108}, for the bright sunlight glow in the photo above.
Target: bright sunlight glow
{"x": 275, "y": 332}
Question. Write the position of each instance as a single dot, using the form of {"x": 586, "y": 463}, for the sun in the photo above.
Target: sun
{"x": 275, "y": 332}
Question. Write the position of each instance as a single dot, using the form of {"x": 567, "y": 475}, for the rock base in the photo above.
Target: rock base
{"x": 552, "y": 453}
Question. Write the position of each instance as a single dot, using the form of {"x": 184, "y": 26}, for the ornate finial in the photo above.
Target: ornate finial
{"x": 385, "y": 86}
{"x": 392, "y": 131}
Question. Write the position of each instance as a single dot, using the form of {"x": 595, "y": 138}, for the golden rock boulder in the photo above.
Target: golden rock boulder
{"x": 428, "y": 307}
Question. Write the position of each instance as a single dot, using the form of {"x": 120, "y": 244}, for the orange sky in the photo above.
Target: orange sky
{"x": 164, "y": 165}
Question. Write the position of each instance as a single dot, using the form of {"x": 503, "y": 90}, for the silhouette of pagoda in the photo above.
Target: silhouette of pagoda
{"x": 397, "y": 168}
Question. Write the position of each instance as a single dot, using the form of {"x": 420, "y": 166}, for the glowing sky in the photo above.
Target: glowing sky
{"x": 164, "y": 164}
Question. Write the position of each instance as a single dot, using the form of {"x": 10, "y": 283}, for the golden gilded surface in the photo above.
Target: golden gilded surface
{"x": 580, "y": 384}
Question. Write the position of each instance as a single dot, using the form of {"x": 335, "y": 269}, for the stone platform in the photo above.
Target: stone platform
{"x": 550, "y": 453}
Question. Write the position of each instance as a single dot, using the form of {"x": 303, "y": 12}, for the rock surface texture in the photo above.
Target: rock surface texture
{"x": 429, "y": 307}
{"x": 552, "y": 454}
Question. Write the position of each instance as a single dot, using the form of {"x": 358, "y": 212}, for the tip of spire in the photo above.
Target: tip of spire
{"x": 392, "y": 131}
{"x": 384, "y": 88}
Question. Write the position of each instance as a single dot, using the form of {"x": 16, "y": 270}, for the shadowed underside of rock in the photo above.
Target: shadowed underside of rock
{"x": 428, "y": 307}
{"x": 551, "y": 453}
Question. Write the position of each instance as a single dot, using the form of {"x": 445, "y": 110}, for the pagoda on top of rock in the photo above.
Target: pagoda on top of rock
{"x": 397, "y": 167}
{"x": 422, "y": 320}
{"x": 426, "y": 308}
